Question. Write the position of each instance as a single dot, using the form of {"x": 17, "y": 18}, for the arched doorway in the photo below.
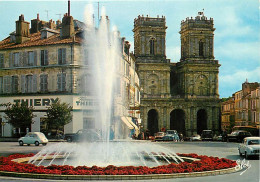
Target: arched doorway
{"x": 152, "y": 121}
{"x": 177, "y": 121}
{"x": 201, "y": 120}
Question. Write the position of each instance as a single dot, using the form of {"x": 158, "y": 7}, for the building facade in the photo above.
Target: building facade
{"x": 242, "y": 109}
{"x": 42, "y": 64}
{"x": 182, "y": 96}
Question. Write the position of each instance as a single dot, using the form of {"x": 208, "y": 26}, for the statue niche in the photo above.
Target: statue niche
{"x": 153, "y": 84}
{"x": 201, "y": 86}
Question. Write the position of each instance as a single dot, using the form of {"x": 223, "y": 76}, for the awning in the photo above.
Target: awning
{"x": 131, "y": 122}
{"x": 125, "y": 120}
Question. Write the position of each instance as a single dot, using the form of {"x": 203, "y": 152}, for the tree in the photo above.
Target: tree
{"x": 58, "y": 115}
{"x": 19, "y": 115}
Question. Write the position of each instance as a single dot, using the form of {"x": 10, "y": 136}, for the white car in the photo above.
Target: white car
{"x": 195, "y": 138}
{"x": 36, "y": 138}
{"x": 249, "y": 147}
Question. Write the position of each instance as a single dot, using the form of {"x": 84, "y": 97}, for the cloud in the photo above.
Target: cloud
{"x": 242, "y": 51}
{"x": 174, "y": 53}
{"x": 232, "y": 82}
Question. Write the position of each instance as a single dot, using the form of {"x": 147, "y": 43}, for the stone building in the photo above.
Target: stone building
{"x": 243, "y": 108}
{"x": 41, "y": 63}
{"x": 182, "y": 96}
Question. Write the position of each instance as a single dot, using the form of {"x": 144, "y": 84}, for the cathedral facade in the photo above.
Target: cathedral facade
{"x": 180, "y": 96}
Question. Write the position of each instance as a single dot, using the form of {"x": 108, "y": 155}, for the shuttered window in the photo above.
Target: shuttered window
{"x": 7, "y": 84}
{"x": 1, "y": 85}
{"x": 14, "y": 84}
{"x": 29, "y": 84}
{"x": 1, "y": 60}
{"x": 62, "y": 56}
{"x": 16, "y": 59}
{"x": 30, "y": 58}
{"x": 44, "y": 57}
{"x": 44, "y": 83}
{"x": 61, "y": 81}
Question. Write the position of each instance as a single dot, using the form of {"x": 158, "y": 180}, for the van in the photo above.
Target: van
{"x": 207, "y": 135}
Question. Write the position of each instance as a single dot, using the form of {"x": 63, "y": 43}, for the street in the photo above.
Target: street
{"x": 217, "y": 149}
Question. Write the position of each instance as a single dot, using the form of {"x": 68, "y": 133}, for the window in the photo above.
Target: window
{"x": 85, "y": 86}
{"x": 7, "y": 84}
{"x": 62, "y": 56}
{"x": 16, "y": 58}
{"x": 201, "y": 45}
{"x": 30, "y": 58}
{"x": 29, "y": 83}
{"x": 44, "y": 57}
{"x": 1, "y": 60}
{"x": 152, "y": 46}
{"x": 61, "y": 81}
{"x": 14, "y": 84}
{"x": 44, "y": 83}
{"x": 1, "y": 85}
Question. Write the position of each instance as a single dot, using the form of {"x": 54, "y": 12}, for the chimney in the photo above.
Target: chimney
{"x": 22, "y": 30}
{"x": 67, "y": 26}
{"x": 35, "y": 25}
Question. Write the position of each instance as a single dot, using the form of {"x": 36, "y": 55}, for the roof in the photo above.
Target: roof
{"x": 253, "y": 138}
{"x": 35, "y": 40}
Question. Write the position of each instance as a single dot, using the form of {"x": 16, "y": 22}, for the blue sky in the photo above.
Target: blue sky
{"x": 236, "y": 21}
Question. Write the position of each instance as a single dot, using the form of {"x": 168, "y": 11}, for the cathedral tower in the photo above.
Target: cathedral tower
{"x": 149, "y": 39}
{"x": 197, "y": 69}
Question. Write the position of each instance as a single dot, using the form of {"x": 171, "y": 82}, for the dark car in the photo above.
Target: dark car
{"x": 238, "y": 136}
{"x": 84, "y": 135}
{"x": 207, "y": 135}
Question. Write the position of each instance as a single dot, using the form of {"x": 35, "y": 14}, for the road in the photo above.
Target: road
{"x": 218, "y": 149}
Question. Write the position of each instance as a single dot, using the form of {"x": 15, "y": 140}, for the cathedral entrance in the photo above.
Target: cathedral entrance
{"x": 152, "y": 122}
{"x": 177, "y": 121}
{"x": 201, "y": 120}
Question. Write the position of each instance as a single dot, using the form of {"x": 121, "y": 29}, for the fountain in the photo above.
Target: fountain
{"x": 102, "y": 57}
{"x": 116, "y": 159}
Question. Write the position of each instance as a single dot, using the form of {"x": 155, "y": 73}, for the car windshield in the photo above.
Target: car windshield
{"x": 234, "y": 133}
{"x": 171, "y": 132}
{"x": 207, "y": 132}
{"x": 254, "y": 142}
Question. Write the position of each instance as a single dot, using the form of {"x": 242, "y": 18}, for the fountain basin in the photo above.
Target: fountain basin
{"x": 15, "y": 165}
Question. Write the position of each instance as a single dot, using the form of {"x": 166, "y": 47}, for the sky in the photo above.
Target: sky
{"x": 236, "y": 41}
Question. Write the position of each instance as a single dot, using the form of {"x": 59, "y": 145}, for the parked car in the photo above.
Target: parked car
{"x": 87, "y": 135}
{"x": 238, "y": 135}
{"x": 249, "y": 147}
{"x": 207, "y": 135}
{"x": 168, "y": 138}
{"x": 36, "y": 138}
{"x": 174, "y": 134}
{"x": 159, "y": 136}
{"x": 195, "y": 138}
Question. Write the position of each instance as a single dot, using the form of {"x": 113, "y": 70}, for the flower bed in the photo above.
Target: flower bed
{"x": 205, "y": 164}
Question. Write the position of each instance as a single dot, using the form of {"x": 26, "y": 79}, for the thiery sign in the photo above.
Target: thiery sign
{"x": 36, "y": 102}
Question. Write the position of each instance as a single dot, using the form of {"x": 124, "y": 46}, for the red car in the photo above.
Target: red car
{"x": 159, "y": 136}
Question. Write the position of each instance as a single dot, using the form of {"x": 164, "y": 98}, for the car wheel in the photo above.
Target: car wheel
{"x": 37, "y": 143}
{"x": 70, "y": 140}
{"x": 44, "y": 144}
{"x": 21, "y": 143}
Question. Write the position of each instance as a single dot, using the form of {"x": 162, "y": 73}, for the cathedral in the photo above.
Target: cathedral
{"x": 180, "y": 96}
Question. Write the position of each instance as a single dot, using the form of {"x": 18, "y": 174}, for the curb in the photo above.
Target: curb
{"x": 119, "y": 177}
